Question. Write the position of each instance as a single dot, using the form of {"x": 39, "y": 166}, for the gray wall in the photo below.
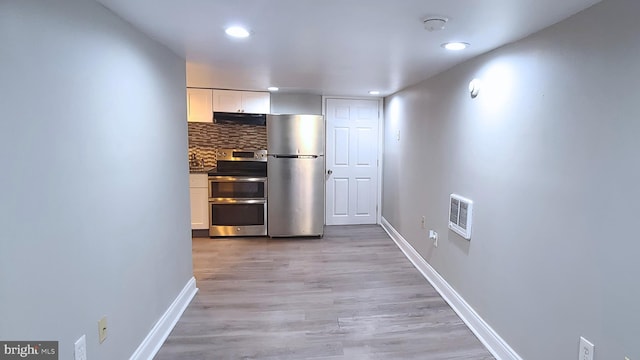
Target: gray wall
{"x": 307, "y": 104}
{"x": 94, "y": 214}
{"x": 549, "y": 154}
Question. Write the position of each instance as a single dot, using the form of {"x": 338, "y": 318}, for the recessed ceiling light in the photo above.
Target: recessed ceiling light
{"x": 237, "y": 32}
{"x": 273, "y": 88}
{"x": 374, "y": 92}
{"x": 455, "y": 46}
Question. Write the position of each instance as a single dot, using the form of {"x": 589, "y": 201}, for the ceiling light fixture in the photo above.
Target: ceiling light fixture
{"x": 374, "y": 92}
{"x": 273, "y": 88}
{"x": 435, "y": 23}
{"x": 455, "y": 46}
{"x": 237, "y": 32}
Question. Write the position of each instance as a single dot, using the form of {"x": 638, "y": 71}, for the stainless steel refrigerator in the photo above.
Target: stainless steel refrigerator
{"x": 295, "y": 175}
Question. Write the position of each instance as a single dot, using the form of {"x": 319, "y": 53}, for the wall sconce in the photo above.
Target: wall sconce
{"x": 474, "y": 87}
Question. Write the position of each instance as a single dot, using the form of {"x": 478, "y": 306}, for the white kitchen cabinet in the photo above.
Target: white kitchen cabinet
{"x": 199, "y": 195}
{"x": 227, "y": 101}
{"x": 256, "y": 102}
{"x": 242, "y": 101}
{"x": 199, "y": 105}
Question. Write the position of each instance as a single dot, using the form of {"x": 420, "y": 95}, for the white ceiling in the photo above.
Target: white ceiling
{"x": 332, "y": 47}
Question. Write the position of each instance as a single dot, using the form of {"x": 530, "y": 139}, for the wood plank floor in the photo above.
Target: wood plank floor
{"x": 349, "y": 295}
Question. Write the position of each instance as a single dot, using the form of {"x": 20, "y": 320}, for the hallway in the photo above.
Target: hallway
{"x": 349, "y": 295}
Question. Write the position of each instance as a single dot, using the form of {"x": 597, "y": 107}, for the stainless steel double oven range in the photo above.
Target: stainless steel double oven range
{"x": 238, "y": 193}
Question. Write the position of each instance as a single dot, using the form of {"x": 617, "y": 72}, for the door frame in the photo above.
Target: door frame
{"x": 380, "y": 145}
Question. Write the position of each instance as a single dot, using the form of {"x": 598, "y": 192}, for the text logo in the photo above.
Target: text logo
{"x": 30, "y": 350}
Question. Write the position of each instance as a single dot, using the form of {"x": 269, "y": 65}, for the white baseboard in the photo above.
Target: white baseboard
{"x": 156, "y": 337}
{"x": 489, "y": 337}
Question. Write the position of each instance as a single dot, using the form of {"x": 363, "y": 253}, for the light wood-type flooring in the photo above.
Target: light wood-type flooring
{"x": 349, "y": 295}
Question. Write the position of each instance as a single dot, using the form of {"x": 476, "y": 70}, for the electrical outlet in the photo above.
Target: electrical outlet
{"x": 102, "y": 329}
{"x": 80, "y": 352}
{"x": 586, "y": 349}
{"x": 423, "y": 221}
{"x": 434, "y": 237}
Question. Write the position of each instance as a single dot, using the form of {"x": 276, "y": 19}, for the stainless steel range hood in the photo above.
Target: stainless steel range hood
{"x": 240, "y": 118}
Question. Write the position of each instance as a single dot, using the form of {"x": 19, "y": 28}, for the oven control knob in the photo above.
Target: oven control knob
{"x": 238, "y": 229}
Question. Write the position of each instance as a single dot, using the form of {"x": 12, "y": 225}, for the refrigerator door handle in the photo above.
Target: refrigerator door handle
{"x": 296, "y": 156}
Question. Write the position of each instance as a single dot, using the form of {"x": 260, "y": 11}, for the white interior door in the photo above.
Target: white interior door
{"x": 352, "y": 161}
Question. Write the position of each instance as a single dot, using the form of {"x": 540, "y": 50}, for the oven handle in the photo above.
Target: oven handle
{"x": 237, "y": 201}
{"x": 234, "y": 178}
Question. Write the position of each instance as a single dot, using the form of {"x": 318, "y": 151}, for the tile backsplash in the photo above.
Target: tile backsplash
{"x": 206, "y": 138}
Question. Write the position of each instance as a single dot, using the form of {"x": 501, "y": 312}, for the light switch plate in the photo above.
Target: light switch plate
{"x": 102, "y": 329}
{"x": 80, "y": 352}
{"x": 586, "y": 349}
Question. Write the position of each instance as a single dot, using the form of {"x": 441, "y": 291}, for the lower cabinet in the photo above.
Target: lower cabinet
{"x": 199, "y": 194}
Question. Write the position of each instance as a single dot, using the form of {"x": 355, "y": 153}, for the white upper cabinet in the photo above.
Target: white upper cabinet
{"x": 199, "y": 105}
{"x": 227, "y": 101}
{"x": 256, "y": 102}
{"x": 241, "y": 101}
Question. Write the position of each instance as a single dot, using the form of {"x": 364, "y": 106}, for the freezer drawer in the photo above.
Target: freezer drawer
{"x": 296, "y": 196}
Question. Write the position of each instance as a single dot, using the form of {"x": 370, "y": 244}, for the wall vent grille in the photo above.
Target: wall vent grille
{"x": 460, "y": 215}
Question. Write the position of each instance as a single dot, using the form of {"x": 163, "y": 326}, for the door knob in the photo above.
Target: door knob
{"x": 329, "y": 171}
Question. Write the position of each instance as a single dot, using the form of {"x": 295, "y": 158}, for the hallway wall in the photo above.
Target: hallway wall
{"x": 547, "y": 152}
{"x": 94, "y": 214}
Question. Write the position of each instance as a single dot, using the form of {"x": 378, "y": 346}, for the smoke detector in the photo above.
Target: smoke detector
{"x": 435, "y": 23}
